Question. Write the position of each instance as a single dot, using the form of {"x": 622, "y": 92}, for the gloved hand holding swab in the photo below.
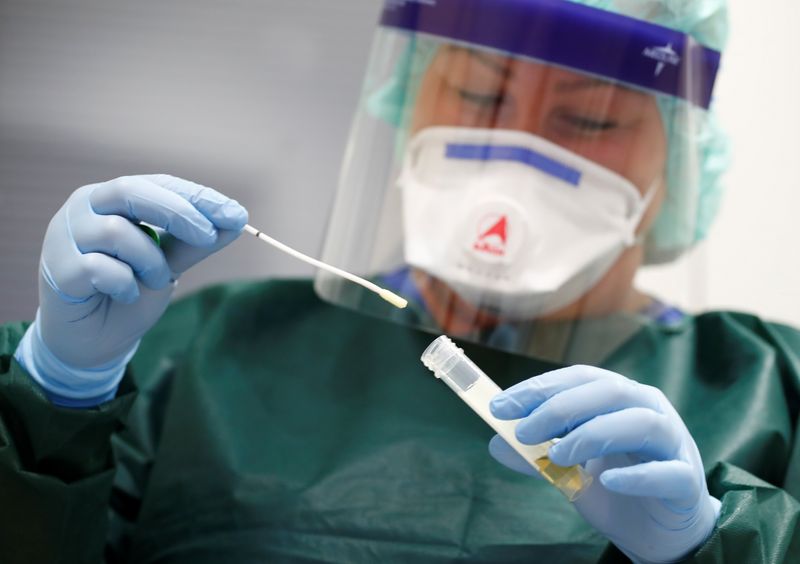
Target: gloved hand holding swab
{"x": 387, "y": 295}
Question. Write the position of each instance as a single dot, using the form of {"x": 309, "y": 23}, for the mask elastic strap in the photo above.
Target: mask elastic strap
{"x": 644, "y": 203}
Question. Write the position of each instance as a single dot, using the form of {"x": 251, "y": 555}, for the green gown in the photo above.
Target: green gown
{"x": 269, "y": 426}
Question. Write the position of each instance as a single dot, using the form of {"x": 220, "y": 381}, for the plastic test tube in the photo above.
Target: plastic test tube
{"x": 476, "y": 389}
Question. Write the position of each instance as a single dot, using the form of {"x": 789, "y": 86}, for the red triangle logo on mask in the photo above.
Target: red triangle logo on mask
{"x": 493, "y": 240}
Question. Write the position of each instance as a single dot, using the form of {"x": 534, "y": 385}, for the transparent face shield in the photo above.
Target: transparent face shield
{"x": 510, "y": 181}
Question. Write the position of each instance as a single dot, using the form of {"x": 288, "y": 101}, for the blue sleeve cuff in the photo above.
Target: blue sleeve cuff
{"x": 63, "y": 385}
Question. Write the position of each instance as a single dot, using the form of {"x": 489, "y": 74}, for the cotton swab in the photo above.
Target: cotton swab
{"x": 390, "y": 297}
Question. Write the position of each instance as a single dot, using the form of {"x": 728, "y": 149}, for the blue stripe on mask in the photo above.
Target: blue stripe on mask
{"x": 518, "y": 154}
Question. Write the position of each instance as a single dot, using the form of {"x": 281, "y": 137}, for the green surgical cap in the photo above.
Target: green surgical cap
{"x": 705, "y": 20}
{"x": 698, "y": 149}
{"x": 693, "y": 196}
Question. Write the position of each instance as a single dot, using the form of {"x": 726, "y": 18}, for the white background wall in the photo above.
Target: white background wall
{"x": 255, "y": 97}
{"x": 751, "y": 260}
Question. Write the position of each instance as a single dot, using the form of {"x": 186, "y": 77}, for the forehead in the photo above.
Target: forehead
{"x": 515, "y": 70}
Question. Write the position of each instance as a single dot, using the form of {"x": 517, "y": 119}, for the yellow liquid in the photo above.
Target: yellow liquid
{"x": 570, "y": 480}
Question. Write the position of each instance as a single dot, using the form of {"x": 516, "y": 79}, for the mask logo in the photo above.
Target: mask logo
{"x": 662, "y": 56}
{"x": 492, "y": 235}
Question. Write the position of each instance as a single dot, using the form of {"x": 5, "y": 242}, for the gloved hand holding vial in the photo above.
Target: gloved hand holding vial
{"x": 652, "y": 484}
{"x": 476, "y": 389}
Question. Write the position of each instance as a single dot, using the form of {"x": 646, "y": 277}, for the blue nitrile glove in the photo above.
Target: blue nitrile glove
{"x": 649, "y": 495}
{"x": 103, "y": 282}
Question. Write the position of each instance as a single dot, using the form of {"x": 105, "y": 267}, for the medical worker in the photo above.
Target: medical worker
{"x": 512, "y": 165}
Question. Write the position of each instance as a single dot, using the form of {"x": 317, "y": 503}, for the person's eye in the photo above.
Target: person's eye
{"x": 485, "y": 101}
{"x": 587, "y": 124}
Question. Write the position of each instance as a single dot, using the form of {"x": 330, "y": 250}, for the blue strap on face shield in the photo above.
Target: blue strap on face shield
{"x": 578, "y": 37}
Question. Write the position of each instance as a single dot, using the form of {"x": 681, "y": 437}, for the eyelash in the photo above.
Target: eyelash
{"x": 482, "y": 100}
{"x": 587, "y": 124}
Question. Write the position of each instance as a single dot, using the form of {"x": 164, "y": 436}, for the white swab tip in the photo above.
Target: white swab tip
{"x": 393, "y": 298}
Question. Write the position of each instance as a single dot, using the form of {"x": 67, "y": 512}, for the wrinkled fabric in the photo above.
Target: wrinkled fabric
{"x": 270, "y": 427}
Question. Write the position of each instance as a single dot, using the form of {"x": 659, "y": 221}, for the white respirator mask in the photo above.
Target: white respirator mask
{"x": 512, "y": 222}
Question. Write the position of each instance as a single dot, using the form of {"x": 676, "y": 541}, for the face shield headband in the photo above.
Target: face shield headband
{"x": 562, "y": 33}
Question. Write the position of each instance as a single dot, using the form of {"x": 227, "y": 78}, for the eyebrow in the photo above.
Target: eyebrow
{"x": 585, "y": 83}
{"x": 563, "y": 87}
{"x": 582, "y": 84}
{"x": 502, "y": 70}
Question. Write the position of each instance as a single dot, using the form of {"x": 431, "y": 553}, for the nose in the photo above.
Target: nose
{"x": 528, "y": 95}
